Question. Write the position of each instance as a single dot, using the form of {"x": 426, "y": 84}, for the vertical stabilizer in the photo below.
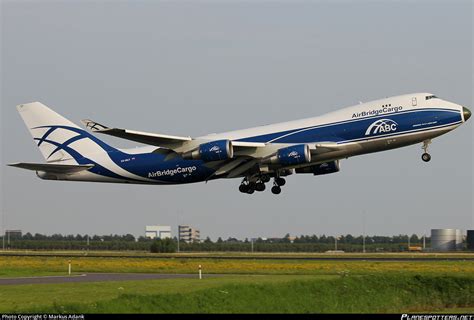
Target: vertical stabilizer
{"x": 58, "y": 138}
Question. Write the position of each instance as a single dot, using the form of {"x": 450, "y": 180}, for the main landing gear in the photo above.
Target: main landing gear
{"x": 277, "y": 184}
{"x": 250, "y": 186}
{"x": 426, "y": 157}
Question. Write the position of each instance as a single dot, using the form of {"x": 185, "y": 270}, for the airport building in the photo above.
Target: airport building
{"x": 158, "y": 232}
{"x": 13, "y": 234}
{"x": 189, "y": 234}
{"x": 446, "y": 239}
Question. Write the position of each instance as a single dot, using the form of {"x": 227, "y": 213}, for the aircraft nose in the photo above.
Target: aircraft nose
{"x": 466, "y": 112}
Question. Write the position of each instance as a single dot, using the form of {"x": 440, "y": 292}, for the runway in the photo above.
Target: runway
{"x": 95, "y": 277}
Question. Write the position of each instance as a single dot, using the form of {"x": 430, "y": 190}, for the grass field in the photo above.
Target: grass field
{"x": 17, "y": 266}
{"x": 30, "y": 297}
{"x": 254, "y": 285}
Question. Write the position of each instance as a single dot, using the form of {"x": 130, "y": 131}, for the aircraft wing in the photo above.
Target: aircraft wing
{"x": 160, "y": 140}
{"x": 154, "y": 139}
{"x": 52, "y": 168}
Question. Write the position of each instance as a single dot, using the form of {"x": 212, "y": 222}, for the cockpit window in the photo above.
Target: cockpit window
{"x": 431, "y": 97}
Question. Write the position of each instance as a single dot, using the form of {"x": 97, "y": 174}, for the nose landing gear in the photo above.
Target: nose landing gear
{"x": 426, "y": 157}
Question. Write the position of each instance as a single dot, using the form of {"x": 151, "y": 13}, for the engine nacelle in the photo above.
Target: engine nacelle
{"x": 212, "y": 151}
{"x": 292, "y": 155}
{"x": 322, "y": 168}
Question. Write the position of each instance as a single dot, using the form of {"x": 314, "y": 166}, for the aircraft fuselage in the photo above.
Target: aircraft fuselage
{"x": 361, "y": 129}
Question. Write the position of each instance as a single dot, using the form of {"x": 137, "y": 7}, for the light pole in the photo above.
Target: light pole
{"x": 179, "y": 233}
{"x": 4, "y": 230}
{"x": 178, "y": 238}
{"x": 363, "y": 233}
{"x": 363, "y": 243}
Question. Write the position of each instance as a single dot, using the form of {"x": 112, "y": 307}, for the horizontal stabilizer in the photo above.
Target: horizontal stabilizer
{"x": 154, "y": 139}
{"x": 53, "y": 168}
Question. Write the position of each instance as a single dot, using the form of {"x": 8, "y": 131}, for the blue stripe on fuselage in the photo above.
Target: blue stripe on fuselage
{"x": 355, "y": 129}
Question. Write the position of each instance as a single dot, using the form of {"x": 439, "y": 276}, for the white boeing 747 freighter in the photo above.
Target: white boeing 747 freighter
{"x": 308, "y": 146}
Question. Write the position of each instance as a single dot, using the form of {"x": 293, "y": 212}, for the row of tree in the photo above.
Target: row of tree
{"x": 127, "y": 242}
{"x": 348, "y": 239}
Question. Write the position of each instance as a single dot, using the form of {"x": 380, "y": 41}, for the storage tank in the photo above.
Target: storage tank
{"x": 443, "y": 239}
{"x": 470, "y": 240}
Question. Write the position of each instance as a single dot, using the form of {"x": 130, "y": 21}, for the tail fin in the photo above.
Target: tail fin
{"x": 57, "y": 137}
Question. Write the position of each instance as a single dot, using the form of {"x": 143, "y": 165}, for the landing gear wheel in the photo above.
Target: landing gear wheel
{"x": 265, "y": 178}
{"x": 260, "y": 187}
{"x": 276, "y": 190}
{"x": 251, "y": 187}
{"x": 280, "y": 181}
{"x": 243, "y": 188}
{"x": 426, "y": 157}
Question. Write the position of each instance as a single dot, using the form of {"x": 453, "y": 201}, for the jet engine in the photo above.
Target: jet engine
{"x": 292, "y": 155}
{"x": 211, "y": 151}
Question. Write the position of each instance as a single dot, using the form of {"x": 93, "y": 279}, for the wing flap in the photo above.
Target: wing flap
{"x": 328, "y": 145}
{"x": 155, "y": 139}
{"x": 242, "y": 144}
{"x": 229, "y": 166}
{"x": 53, "y": 168}
{"x": 242, "y": 168}
{"x": 325, "y": 147}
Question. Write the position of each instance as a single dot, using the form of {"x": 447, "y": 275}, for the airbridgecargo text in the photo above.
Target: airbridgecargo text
{"x": 171, "y": 172}
{"x": 376, "y": 112}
